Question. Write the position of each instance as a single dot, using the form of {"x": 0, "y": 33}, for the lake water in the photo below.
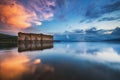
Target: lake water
{"x": 60, "y": 61}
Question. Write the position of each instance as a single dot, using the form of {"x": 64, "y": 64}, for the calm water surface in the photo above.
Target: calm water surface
{"x": 61, "y": 61}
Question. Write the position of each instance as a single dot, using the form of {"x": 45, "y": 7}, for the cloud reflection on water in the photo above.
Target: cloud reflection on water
{"x": 95, "y": 51}
{"x": 14, "y": 66}
{"x": 66, "y": 61}
{"x": 108, "y": 54}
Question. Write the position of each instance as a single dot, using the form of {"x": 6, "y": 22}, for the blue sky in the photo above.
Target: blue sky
{"x": 57, "y": 16}
{"x": 83, "y": 14}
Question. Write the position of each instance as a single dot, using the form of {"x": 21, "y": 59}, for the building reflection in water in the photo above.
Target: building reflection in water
{"x": 33, "y": 45}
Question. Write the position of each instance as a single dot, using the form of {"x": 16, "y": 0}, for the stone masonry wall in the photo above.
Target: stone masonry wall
{"x": 34, "y": 37}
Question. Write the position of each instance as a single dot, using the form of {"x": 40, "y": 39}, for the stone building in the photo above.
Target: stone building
{"x": 34, "y": 37}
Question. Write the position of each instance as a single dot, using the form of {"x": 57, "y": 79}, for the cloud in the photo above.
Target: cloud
{"x": 14, "y": 15}
{"x": 94, "y": 11}
{"x": 109, "y": 18}
{"x": 91, "y": 34}
{"x": 20, "y": 14}
{"x": 116, "y": 31}
{"x": 83, "y": 20}
{"x": 78, "y": 31}
{"x": 92, "y": 30}
{"x": 112, "y": 7}
{"x": 60, "y": 3}
{"x": 43, "y": 8}
{"x": 38, "y": 23}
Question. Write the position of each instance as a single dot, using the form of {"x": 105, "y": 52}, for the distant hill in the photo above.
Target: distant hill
{"x": 5, "y": 38}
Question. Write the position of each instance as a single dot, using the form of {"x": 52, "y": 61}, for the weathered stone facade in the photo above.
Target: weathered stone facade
{"x": 34, "y": 37}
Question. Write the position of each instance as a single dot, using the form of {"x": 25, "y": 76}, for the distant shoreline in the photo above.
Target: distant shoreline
{"x": 8, "y": 39}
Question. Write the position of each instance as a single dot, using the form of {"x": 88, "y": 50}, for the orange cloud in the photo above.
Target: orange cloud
{"x": 15, "y": 16}
{"x": 18, "y": 16}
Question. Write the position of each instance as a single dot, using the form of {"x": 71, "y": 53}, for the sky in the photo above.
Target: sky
{"x": 57, "y": 16}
